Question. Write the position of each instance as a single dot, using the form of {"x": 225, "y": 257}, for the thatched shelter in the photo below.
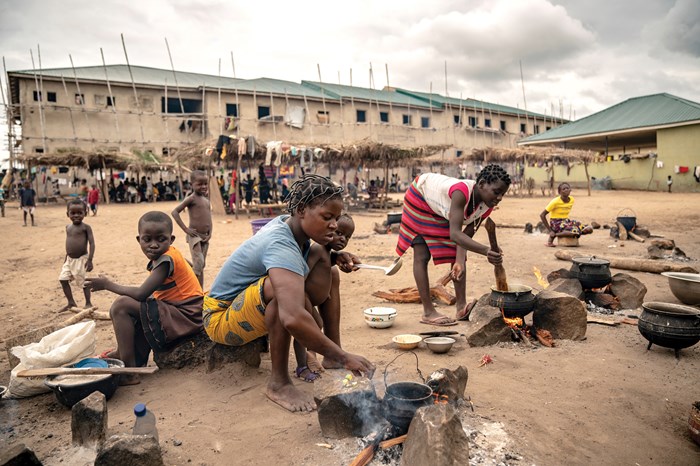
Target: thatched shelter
{"x": 534, "y": 154}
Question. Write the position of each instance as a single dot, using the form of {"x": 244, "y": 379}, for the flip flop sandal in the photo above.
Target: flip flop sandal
{"x": 310, "y": 376}
{"x": 468, "y": 310}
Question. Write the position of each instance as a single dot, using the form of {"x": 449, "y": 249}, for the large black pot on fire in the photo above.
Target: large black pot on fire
{"x": 402, "y": 399}
{"x": 669, "y": 325}
{"x": 518, "y": 301}
{"x": 591, "y": 272}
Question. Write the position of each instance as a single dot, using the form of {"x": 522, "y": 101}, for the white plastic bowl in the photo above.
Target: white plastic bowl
{"x": 380, "y": 317}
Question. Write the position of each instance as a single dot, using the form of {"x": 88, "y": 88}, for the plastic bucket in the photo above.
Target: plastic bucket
{"x": 259, "y": 223}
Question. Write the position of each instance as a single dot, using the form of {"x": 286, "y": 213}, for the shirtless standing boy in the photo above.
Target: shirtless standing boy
{"x": 199, "y": 231}
{"x": 80, "y": 249}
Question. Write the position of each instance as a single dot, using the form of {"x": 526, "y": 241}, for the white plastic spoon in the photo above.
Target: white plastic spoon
{"x": 391, "y": 270}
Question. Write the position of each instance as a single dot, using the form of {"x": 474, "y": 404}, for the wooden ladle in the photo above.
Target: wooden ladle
{"x": 498, "y": 270}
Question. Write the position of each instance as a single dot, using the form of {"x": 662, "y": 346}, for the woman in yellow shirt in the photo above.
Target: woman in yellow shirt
{"x": 559, "y": 209}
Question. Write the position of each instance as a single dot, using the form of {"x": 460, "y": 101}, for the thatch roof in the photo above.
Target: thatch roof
{"x": 531, "y": 154}
{"x": 94, "y": 160}
{"x": 366, "y": 153}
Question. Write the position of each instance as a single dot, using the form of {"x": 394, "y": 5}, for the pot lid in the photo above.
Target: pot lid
{"x": 590, "y": 261}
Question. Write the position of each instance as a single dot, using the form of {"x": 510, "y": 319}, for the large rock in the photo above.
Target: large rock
{"x": 89, "y": 420}
{"x": 347, "y": 407}
{"x": 436, "y": 438}
{"x": 563, "y": 315}
{"x": 126, "y": 449}
{"x": 570, "y": 286}
{"x": 449, "y": 383}
{"x": 561, "y": 273}
{"x": 18, "y": 455}
{"x": 483, "y": 311}
{"x": 199, "y": 349}
{"x": 628, "y": 290}
{"x": 492, "y": 332}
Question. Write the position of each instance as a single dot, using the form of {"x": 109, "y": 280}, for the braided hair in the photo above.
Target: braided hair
{"x": 492, "y": 173}
{"x": 311, "y": 190}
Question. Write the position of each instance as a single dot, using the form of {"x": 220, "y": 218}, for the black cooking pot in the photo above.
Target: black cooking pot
{"x": 69, "y": 394}
{"x": 402, "y": 399}
{"x": 518, "y": 301}
{"x": 591, "y": 272}
{"x": 669, "y": 325}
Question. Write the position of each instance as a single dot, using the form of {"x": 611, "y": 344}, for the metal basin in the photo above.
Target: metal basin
{"x": 684, "y": 286}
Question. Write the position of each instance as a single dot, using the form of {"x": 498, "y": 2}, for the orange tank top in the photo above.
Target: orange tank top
{"x": 181, "y": 283}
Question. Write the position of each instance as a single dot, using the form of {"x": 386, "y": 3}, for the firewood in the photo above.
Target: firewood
{"x": 398, "y": 297}
{"x": 393, "y": 442}
{"x": 639, "y": 265}
{"x": 622, "y": 231}
{"x": 635, "y": 237}
{"x": 544, "y": 337}
{"x": 364, "y": 457}
{"x": 447, "y": 278}
{"x": 595, "y": 320}
{"x": 440, "y": 292}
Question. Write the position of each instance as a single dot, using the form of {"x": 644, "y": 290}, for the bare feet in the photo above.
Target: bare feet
{"x": 66, "y": 308}
{"x": 550, "y": 245}
{"x": 90, "y": 306}
{"x": 329, "y": 363}
{"x": 129, "y": 379}
{"x": 312, "y": 362}
{"x": 291, "y": 399}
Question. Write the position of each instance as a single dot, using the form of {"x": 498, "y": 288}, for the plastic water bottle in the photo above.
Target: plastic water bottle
{"x": 145, "y": 423}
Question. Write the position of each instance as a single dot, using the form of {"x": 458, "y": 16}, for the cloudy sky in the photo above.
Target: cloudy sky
{"x": 579, "y": 56}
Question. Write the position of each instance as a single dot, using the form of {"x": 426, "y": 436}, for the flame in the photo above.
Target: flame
{"x": 513, "y": 322}
{"x": 440, "y": 399}
{"x": 540, "y": 279}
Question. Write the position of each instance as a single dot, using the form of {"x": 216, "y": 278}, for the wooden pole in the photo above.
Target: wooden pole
{"x": 136, "y": 96}
{"x": 639, "y": 265}
{"x": 111, "y": 96}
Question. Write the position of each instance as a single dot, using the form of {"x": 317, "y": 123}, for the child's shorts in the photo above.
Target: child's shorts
{"x": 236, "y": 322}
{"x": 74, "y": 269}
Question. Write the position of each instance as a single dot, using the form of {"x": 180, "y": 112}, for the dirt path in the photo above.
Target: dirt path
{"x": 605, "y": 400}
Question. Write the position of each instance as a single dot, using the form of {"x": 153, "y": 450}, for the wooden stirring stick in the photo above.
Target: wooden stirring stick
{"x": 499, "y": 271}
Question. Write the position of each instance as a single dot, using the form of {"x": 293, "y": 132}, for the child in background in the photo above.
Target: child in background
{"x": 559, "y": 223}
{"x": 669, "y": 183}
{"x": 2, "y": 200}
{"x": 80, "y": 249}
{"x": 93, "y": 198}
{"x": 27, "y": 201}
{"x": 324, "y": 293}
{"x": 199, "y": 231}
{"x": 436, "y": 208}
{"x": 166, "y": 307}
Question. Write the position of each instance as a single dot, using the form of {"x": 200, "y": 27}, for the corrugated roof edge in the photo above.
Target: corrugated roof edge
{"x": 316, "y": 85}
{"x": 553, "y": 134}
{"x": 124, "y": 65}
{"x": 426, "y": 97}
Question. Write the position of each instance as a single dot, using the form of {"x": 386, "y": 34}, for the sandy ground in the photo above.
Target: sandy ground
{"x": 605, "y": 400}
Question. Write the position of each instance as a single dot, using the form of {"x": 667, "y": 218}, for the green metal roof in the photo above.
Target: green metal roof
{"x": 364, "y": 94}
{"x": 471, "y": 103}
{"x": 635, "y": 113}
{"x": 279, "y": 87}
{"x": 142, "y": 75}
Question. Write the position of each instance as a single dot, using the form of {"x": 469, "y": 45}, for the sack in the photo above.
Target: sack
{"x": 64, "y": 346}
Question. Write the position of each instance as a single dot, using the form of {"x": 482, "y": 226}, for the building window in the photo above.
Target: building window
{"x": 111, "y": 101}
{"x": 537, "y": 129}
{"x": 263, "y": 111}
{"x": 487, "y": 122}
{"x": 425, "y": 122}
{"x": 173, "y": 105}
{"x": 79, "y": 99}
{"x": 548, "y": 128}
{"x": 232, "y": 110}
{"x": 50, "y": 96}
{"x": 473, "y": 121}
{"x": 38, "y": 150}
{"x": 165, "y": 151}
{"x": 406, "y": 120}
{"x": 457, "y": 119}
{"x": 323, "y": 116}
{"x": 523, "y": 128}
{"x": 458, "y": 153}
{"x": 361, "y": 116}
{"x": 503, "y": 125}
{"x": 384, "y": 117}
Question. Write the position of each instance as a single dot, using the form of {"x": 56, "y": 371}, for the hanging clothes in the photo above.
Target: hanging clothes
{"x": 241, "y": 147}
{"x": 251, "y": 146}
{"x": 224, "y": 152}
{"x": 221, "y": 142}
